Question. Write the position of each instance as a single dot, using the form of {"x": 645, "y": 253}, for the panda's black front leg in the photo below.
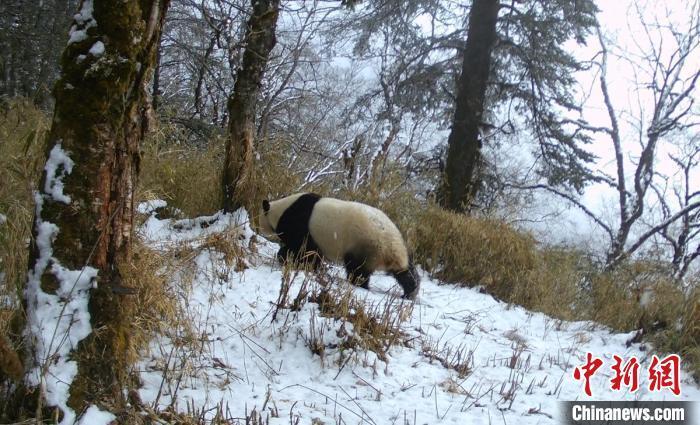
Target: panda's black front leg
{"x": 357, "y": 274}
{"x": 282, "y": 254}
{"x": 310, "y": 259}
{"x": 361, "y": 279}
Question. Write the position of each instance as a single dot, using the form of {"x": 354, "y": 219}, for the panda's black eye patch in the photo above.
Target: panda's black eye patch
{"x": 266, "y": 205}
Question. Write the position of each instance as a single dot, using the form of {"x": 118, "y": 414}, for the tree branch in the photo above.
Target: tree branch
{"x": 569, "y": 198}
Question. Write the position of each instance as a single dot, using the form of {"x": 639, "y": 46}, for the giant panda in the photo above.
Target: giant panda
{"x": 360, "y": 237}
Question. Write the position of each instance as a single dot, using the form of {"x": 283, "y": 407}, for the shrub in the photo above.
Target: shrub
{"x": 475, "y": 251}
{"x": 555, "y": 285}
{"x": 683, "y": 337}
{"x": 187, "y": 177}
{"x": 23, "y": 130}
{"x": 637, "y": 295}
{"x": 272, "y": 176}
{"x": 689, "y": 341}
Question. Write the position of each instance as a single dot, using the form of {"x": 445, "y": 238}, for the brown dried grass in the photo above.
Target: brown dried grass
{"x": 23, "y": 130}
{"x": 475, "y": 251}
{"x": 187, "y": 177}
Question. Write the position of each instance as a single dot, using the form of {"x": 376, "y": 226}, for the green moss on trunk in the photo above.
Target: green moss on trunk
{"x": 238, "y": 166}
{"x": 99, "y": 121}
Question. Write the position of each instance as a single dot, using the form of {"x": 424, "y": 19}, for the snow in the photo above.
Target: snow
{"x": 167, "y": 232}
{"x": 519, "y": 365}
{"x": 57, "y": 166}
{"x": 97, "y": 49}
{"x": 85, "y": 14}
{"x": 83, "y": 21}
{"x": 56, "y": 322}
{"x": 3, "y": 219}
{"x": 94, "y": 416}
{"x": 150, "y": 206}
{"x": 76, "y": 35}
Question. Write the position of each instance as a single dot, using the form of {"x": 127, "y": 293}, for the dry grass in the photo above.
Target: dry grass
{"x": 272, "y": 177}
{"x": 150, "y": 308}
{"x": 160, "y": 312}
{"x": 689, "y": 339}
{"x": 10, "y": 365}
{"x": 363, "y": 325}
{"x": 468, "y": 251}
{"x": 684, "y": 336}
{"x": 375, "y": 326}
{"x": 637, "y": 295}
{"x": 188, "y": 178}
{"x": 555, "y": 286}
{"x": 155, "y": 307}
{"x": 474, "y": 251}
{"x": 460, "y": 358}
{"x": 23, "y": 130}
{"x": 564, "y": 283}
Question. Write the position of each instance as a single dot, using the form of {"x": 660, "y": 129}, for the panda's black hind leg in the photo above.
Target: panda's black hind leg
{"x": 357, "y": 274}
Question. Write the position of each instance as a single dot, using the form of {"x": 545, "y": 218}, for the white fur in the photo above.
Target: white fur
{"x": 341, "y": 227}
{"x": 269, "y": 220}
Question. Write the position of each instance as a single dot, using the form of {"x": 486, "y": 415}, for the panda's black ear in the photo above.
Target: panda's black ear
{"x": 266, "y": 205}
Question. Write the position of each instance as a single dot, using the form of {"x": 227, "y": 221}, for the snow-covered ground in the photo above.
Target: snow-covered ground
{"x": 519, "y": 365}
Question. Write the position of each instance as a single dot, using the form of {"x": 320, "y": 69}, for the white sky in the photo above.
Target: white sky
{"x": 621, "y": 27}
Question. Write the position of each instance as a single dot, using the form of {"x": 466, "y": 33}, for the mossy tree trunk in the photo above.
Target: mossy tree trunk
{"x": 459, "y": 184}
{"x": 259, "y": 41}
{"x": 86, "y": 196}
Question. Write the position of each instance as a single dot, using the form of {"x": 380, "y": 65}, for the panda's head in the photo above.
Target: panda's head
{"x": 272, "y": 211}
{"x": 268, "y": 221}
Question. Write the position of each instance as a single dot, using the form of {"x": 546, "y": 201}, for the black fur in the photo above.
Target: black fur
{"x": 359, "y": 275}
{"x": 409, "y": 281}
{"x": 356, "y": 271}
{"x": 293, "y": 231}
{"x": 298, "y": 245}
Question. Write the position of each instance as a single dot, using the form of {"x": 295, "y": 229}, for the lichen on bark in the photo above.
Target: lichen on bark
{"x": 98, "y": 120}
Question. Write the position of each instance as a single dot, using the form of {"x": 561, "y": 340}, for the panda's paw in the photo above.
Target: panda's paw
{"x": 411, "y": 296}
{"x": 282, "y": 255}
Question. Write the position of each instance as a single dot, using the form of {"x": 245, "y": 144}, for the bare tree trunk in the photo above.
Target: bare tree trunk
{"x": 687, "y": 229}
{"x": 672, "y": 92}
{"x": 85, "y": 206}
{"x": 31, "y": 36}
{"x": 259, "y": 41}
{"x": 463, "y": 152}
{"x": 155, "y": 91}
{"x": 202, "y": 72}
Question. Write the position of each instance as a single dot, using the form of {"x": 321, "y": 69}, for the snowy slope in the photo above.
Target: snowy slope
{"x": 520, "y": 363}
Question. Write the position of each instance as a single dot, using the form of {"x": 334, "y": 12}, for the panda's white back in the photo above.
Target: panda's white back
{"x": 339, "y": 227}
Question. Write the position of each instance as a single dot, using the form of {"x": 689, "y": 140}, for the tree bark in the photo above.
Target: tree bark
{"x": 259, "y": 41}
{"x": 155, "y": 92}
{"x": 85, "y": 205}
{"x": 459, "y": 183}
